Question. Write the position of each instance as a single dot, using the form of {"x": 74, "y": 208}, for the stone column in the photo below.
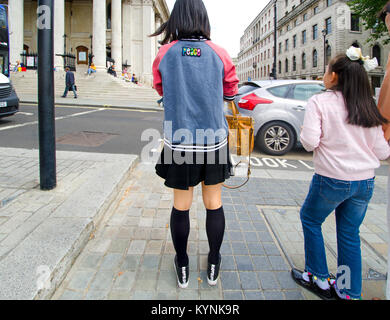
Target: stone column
{"x": 16, "y": 29}
{"x": 99, "y": 34}
{"x": 116, "y": 29}
{"x": 59, "y": 31}
{"x": 149, "y": 51}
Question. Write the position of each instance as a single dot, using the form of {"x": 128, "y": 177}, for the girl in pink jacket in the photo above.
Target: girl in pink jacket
{"x": 344, "y": 128}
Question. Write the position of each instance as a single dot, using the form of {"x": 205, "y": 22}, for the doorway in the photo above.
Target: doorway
{"x": 82, "y": 55}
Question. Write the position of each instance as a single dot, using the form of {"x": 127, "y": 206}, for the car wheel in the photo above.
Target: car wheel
{"x": 276, "y": 138}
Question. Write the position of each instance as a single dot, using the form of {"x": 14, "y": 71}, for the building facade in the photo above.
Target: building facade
{"x": 256, "y": 58}
{"x": 310, "y": 32}
{"x": 114, "y": 29}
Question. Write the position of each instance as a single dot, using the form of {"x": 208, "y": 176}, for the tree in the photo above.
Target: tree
{"x": 368, "y": 10}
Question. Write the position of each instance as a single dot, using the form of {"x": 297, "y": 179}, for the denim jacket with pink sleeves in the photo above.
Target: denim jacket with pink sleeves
{"x": 194, "y": 76}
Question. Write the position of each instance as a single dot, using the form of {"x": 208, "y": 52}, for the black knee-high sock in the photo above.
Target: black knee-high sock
{"x": 180, "y": 230}
{"x": 215, "y": 229}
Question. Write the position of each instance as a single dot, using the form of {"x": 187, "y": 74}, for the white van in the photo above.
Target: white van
{"x": 9, "y": 101}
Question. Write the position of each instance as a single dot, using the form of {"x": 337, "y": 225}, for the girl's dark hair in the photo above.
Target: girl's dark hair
{"x": 355, "y": 86}
{"x": 188, "y": 19}
{"x": 383, "y": 13}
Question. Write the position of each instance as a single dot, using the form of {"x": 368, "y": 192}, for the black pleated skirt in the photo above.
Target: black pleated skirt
{"x": 182, "y": 170}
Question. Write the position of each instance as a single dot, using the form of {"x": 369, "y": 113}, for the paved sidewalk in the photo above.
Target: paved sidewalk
{"x": 42, "y": 232}
{"x": 131, "y": 253}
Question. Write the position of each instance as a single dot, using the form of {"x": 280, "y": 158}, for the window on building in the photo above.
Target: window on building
{"x": 315, "y": 59}
{"x": 294, "y": 63}
{"x": 286, "y": 3}
{"x": 328, "y": 54}
{"x": 328, "y": 25}
{"x": 376, "y": 53}
{"x": 303, "y": 61}
{"x": 304, "y": 37}
{"x": 286, "y": 65}
{"x": 316, "y": 10}
{"x": 305, "y": 17}
{"x": 355, "y": 22}
{"x": 329, "y": 3}
{"x": 315, "y": 32}
{"x": 295, "y": 41}
{"x": 295, "y": 22}
{"x": 280, "y": 47}
{"x": 280, "y": 67}
{"x": 109, "y": 16}
{"x": 286, "y": 44}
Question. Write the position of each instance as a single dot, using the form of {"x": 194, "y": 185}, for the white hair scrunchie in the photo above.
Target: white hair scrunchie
{"x": 355, "y": 54}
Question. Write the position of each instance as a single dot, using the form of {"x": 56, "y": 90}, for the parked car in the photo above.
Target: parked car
{"x": 278, "y": 108}
{"x": 9, "y": 101}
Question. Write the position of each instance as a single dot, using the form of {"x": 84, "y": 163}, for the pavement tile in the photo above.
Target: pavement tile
{"x": 111, "y": 261}
{"x": 97, "y": 295}
{"x": 268, "y": 280}
{"x": 230, "y": 280}
{"x": 244, "y": 263}
{"x": 124, "y": 280}
{"x": 233, "y": 295}
{"x": 253, "y": 295}
{"x": 81, "y": 279}
{"x": 103, "y": 280}
{"x": 136, "y": 247}
{"x": 249, "y": 281}
{"x": 71, "y": 295}
{"x": 130, "y": 262}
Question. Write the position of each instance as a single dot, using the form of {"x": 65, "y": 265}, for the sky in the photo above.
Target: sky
{"x": 229, "y": 19}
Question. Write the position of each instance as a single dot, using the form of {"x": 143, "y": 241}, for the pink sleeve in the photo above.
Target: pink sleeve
{"x": 157, "y": 79}
{"x": 312, "y": 126}
{"x": 381, "y": 148}
{"x": 230, "y": 81}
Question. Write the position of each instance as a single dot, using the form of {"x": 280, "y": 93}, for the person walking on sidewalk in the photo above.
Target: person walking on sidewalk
{"x": 69, "y": 83}
{"x": 343, "y": 127}
{"x": 384, "y": 107}
{"x": 195, "y": 76}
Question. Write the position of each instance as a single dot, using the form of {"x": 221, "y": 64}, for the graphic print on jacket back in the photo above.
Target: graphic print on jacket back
{"x": 194, "y": 77}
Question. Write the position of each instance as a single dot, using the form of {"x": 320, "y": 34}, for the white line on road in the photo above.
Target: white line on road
{"x": 58, "y": 118}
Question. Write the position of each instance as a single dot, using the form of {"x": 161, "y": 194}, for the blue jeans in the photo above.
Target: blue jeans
{"x": 73, "y": 88}
{"x": 349, "y": 200}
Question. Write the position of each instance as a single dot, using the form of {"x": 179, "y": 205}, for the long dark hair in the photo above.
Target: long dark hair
{"x": 383, "y": 13}
{"x": 189, "y": 19}
{"x": 354, "y": 84}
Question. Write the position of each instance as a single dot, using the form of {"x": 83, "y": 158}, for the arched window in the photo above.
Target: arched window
{"x": 376, "y": 53}
{"x": 315, "y": 59}
{"x": 280, "y": 66}
{"x": 328, "y": 54}
{"x": 303, "y": 61}
{"x": 294, "y": 63}
{"x": 286, "y": 65}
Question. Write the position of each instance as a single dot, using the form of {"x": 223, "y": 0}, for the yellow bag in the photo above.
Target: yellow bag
{"x": 241, "y": 132}
{"x": 241, "y": 138}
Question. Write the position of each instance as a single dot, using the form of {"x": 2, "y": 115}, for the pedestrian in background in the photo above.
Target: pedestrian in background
{"x": 194, "y": 76}
{"x": 344, "y": 128}
{"x": 69, "y": 83}
{"x": 384, "y": 107}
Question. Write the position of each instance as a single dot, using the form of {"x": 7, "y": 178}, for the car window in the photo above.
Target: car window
{"x": 280, "y": 91}
{"x": 246, "y": 89}
{"x": 304, "y": 92}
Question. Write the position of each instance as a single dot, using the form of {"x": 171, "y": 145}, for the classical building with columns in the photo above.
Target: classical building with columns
{"x": 116, "y": 29}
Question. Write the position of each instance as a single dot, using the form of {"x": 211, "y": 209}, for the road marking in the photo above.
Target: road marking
{"x": 25, "y": 113}
{"x": 306, "y": 165}
{"x": 58, "y": 118}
